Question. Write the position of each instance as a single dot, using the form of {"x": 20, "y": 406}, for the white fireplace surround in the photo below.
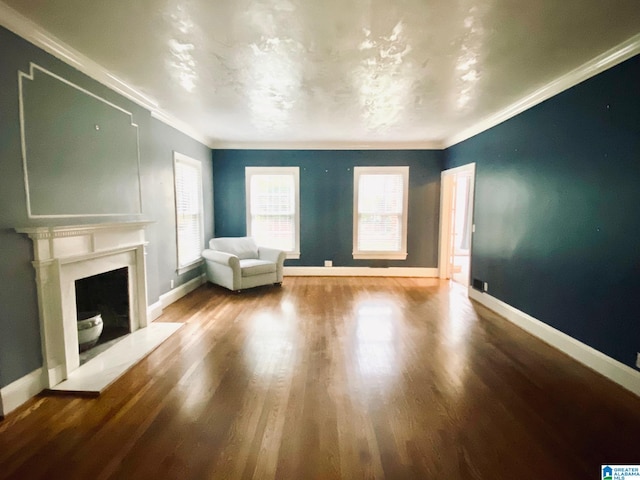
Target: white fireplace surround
{"x": 65, "y": 254}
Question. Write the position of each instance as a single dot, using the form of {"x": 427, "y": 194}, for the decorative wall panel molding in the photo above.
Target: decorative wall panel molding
{"x": 80, "y": 152}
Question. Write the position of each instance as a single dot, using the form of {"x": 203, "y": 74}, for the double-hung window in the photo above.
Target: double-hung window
{"x": 273, "y": 207}
{"x": 189, "y": 219}
{"x": 380, "y": 212}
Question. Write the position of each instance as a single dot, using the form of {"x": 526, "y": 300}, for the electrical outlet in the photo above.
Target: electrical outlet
{"x": 328, "y": 263}
{"x": 485, "y": 286}
{"x": 171, "y": 284}
{"x": 638, "y": 360}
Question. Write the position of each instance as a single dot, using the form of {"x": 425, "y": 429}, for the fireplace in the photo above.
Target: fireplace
{"x": 102, "y": 304}
{"x": 63, "y": 258}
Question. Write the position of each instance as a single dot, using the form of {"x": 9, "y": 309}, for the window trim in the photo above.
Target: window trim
{"x": 381, "y": 255}
{"x": 181, "y": 158}
{"x": 293, "y": 171}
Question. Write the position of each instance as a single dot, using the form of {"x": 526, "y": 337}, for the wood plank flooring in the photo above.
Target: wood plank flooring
{"x": 334, "y": 378}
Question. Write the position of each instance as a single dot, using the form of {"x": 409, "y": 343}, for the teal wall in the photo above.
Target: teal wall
{"x": 101, "y": 165}
{"x": 326, "y": 200}
{"x": 557, "y": 210}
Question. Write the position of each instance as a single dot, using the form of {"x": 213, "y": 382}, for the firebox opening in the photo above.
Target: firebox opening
{"x": 102, "y": 303}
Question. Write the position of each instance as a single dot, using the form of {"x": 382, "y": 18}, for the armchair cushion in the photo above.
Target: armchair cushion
{"x": 250, "y": 267}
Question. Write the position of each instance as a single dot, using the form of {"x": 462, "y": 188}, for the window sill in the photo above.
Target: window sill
{"x": 293, "y": 255}
{"x": 189, "y": 267}
{"x": 379, "y": 255}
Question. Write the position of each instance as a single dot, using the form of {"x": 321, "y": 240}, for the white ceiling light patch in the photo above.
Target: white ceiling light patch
{"x": 181, "y": 63}
{"x": 271, "y": 66}
{"x": 384, "y": 82}
{"x": 466, "y": 73}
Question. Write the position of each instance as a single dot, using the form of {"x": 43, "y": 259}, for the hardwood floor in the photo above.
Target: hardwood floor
{"x": 334, "y": 378}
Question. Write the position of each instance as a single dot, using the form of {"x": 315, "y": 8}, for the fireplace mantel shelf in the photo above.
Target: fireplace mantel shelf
{"x": 46, "y": 232}
{"x": 63, "y": 242}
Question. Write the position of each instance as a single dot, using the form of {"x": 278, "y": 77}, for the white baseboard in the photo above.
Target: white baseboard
{"x": 616, "y": 371}
{"x": 154, "y": 311}
{"x": 18, "y": 392}
{"x": 177, "y": 293}
{"x": 361, "y": 272}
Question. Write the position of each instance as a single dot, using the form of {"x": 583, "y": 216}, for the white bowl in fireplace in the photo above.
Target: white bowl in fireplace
{"x": 89, "y": 329}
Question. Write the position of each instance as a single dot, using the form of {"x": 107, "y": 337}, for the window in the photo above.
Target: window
{"x": 189, "y": 228}
{"x": 273, "y": 214}
{"x": 380, "y": 212}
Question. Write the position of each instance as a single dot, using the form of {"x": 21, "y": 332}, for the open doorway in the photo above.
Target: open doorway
{"x": 456, "y": 227}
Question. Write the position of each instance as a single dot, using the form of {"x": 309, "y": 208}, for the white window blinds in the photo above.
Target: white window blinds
{"x": 188, "y": 186}
{"x": 272, "y": 207}
{"x": 380, "y": 215}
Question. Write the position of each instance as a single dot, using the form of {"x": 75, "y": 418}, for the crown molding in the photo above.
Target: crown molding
{"x": 35, "y": 34}
{"x": 32, "y": 32}
{"x": 330, "y": 145}
{"x": 181, "y": 126}
{"x": 602, "y": 62}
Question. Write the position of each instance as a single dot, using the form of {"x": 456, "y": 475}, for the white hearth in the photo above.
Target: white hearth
{"x": 65, "y": 254}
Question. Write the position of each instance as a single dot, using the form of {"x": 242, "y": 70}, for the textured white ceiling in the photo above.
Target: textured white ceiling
{"x": 335, "y": 71}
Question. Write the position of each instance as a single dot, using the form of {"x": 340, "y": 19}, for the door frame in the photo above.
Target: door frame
{"x": 1, "y": 406}
{"x": 447, "y": 178}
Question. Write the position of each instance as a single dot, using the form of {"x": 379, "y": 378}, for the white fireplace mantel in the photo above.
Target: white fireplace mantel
{"x": 64, "y": 254}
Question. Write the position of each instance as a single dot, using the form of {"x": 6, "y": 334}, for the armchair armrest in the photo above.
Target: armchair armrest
{"x": 272, "y": 255}
{"x": 276, "y": 256}
{"x": 221, "y": 257}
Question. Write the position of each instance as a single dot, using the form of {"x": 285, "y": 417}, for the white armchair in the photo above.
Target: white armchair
{"x": 237, "y": 263}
